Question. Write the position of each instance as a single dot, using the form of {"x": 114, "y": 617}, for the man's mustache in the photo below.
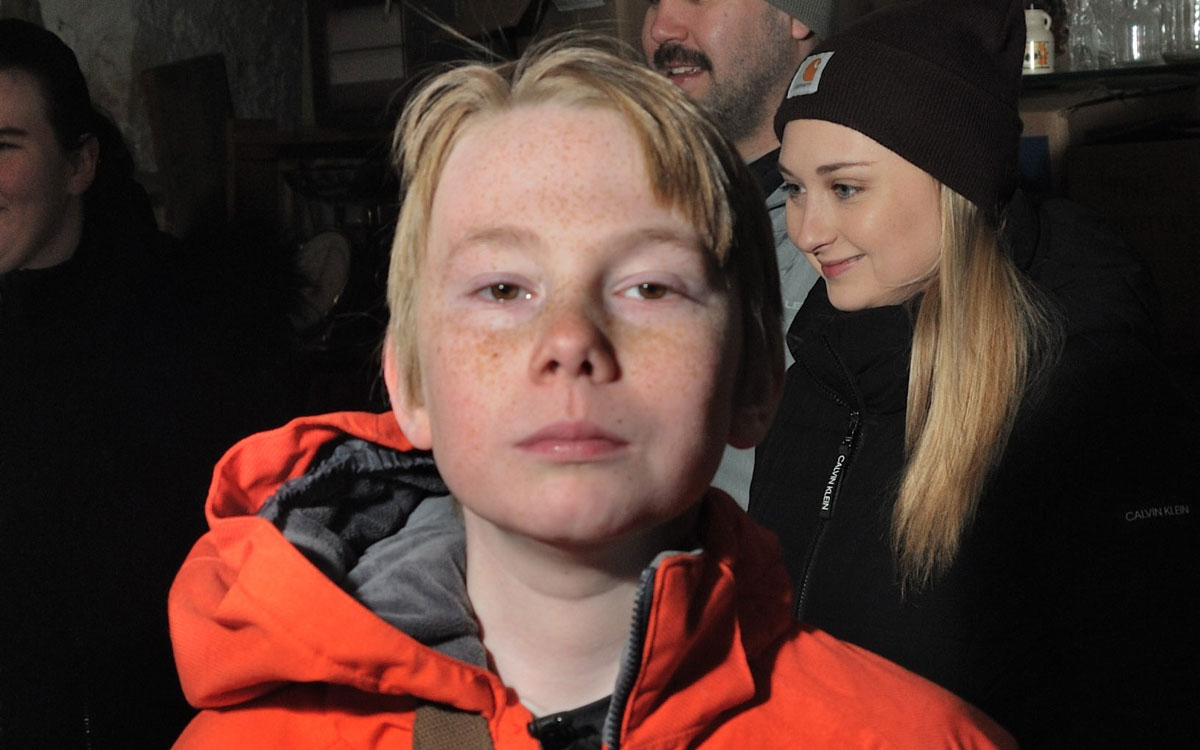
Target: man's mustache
{"x": 674, "y": 54}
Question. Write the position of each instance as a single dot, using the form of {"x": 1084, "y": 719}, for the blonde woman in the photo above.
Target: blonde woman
{"x": 979, "y": 470}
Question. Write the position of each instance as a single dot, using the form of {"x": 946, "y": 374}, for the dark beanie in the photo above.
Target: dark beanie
{"x": 815, "y": 14}
{"x": 935, "y": 81}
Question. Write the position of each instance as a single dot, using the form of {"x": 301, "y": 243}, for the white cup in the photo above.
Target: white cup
{"x": 1039, "y": 43}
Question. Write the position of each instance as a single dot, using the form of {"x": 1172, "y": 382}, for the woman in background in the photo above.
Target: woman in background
{"x": 980, "y": 469}
{"x": 104, "y": 428}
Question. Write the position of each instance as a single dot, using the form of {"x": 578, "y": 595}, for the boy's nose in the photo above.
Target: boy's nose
{"x": 572, "y": 343}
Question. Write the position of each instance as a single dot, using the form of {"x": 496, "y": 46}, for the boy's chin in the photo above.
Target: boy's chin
{"x": 601, "y": 527}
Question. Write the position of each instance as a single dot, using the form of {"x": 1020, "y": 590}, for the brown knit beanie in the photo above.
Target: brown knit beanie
{"x": 935, "y": 81}
{"x": 815, "y": 14}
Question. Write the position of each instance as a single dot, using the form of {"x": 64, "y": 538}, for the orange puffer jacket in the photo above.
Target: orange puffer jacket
{"x": 279, "y": 648}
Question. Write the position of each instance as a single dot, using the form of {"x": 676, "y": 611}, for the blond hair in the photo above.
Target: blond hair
{"x": 979, "y": 330}
{"x": 692, "y": 167}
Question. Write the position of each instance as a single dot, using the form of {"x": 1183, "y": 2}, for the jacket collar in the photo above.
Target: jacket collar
{"x": 766, "y": 172}
{"x": 859, "y": 357}
{"x": 37, "y": 294}
{"x": 713, "y": 614}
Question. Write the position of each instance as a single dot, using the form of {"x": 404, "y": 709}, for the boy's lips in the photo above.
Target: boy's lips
{"x": 572, "y": 441}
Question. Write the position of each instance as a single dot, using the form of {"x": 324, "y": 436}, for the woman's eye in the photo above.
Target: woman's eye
{"x": 845, "y": 191}
{"x": 648, "y": 290}
{"x": 505, "y": 292}
{"x": 791, "y": 189}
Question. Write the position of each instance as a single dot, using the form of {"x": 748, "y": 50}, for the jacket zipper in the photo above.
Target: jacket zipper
{"x": 828, "y": 501}
{"x": 631, "y": 661}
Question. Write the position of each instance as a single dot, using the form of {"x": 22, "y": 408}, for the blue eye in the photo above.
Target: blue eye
{"x": 792, "y": 190}
{"x": 845, "y": 191}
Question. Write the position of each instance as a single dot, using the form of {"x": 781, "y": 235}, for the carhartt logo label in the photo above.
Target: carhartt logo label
{"x": 808, "y": 77}
{"x": 1166, "y": 511}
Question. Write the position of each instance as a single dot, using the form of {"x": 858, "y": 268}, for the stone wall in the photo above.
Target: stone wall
{"x": 262, "y": 41}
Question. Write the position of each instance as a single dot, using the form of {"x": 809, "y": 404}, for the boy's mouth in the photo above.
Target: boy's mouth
{"x": 573, "y": 441}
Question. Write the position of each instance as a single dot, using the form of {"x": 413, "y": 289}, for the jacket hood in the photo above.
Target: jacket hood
{"x": 1088, "y": 271}
{"x": 269, "y": 596}
{"x": 250, "y": 612}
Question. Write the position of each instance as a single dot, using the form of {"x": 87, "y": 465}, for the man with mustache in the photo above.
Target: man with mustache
{"x": 736, "y": 58}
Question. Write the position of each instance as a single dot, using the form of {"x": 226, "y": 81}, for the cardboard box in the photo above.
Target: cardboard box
{"x": 1056, "y": 119}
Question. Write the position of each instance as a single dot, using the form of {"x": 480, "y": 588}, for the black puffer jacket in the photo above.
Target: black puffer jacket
{"x": 104, "y": 446}
{"x": 1070, "y": 614}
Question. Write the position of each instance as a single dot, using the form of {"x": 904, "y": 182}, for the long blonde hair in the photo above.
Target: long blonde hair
{"x": 980, "y": 332}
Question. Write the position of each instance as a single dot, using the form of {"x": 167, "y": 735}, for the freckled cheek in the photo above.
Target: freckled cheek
{"x": 468, "y": 375}
{"x": 680, "y": 365}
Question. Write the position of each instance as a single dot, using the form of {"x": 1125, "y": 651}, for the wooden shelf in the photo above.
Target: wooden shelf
{"x": 1122, "y": 77}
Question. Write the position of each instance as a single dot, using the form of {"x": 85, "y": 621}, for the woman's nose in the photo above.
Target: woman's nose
{"x": 808, "y": 226}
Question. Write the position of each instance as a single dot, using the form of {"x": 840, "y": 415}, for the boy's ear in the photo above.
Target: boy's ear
{"x": 83, "y": 162}
{"x": 412, "y": 416}
{"x": 757, "y": 396}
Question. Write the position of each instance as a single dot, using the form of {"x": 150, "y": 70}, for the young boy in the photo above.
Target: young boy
{"x": 584, "y": 312}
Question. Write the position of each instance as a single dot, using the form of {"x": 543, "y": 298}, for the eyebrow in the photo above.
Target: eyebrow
{"x": 667, "y": 235}
{"x": 7, "y": 132}
{"x": 513, "y": 236}
{"x": 502, "y": 235}
{"x": 825, "y": 169}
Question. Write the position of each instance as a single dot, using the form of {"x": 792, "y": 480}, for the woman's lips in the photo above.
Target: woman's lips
{"x": 572, "y": 441}
{"x": 837, "y": 268}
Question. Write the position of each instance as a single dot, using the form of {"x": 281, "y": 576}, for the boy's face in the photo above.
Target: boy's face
{"x": 578, "y": 348}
